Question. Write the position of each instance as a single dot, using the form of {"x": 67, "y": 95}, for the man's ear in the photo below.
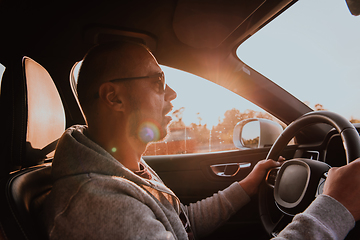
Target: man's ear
{"x": 110, "y": 95}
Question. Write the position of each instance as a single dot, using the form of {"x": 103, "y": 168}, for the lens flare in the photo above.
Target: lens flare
{"x": 149, "y": 132}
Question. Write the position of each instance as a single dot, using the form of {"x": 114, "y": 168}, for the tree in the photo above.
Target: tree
{"x": 319, "y": 107}
{"x": 201, "y": 133}
{"x": 178, "y": 115}
{"x": 354, "y": 120}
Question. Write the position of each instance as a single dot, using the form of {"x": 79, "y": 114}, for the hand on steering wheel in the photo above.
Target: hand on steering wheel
{"x": 340, "y": 185}
{"x": 276, "y": 205}
{"x": 252, "y": 182}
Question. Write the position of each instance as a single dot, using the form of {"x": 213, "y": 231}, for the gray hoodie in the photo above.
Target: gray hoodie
{"x": 96, "y": 197}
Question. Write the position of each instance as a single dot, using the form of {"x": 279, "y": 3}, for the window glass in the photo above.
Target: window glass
{"x": 312, "y": 51}
{"x": 204, "y": 116}
{"x": 2, "y": 70}
{"x": 74, "y": 76}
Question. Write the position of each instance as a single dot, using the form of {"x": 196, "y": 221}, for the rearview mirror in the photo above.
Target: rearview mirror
{"x": 256, "y": 133}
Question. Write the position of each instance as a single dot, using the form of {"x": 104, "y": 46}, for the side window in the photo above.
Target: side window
{"x": 2, "y": 70}
{"x": 204, "y": 116}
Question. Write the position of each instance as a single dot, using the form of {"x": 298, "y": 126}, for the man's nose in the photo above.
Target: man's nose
{"x": 170, "y": 94}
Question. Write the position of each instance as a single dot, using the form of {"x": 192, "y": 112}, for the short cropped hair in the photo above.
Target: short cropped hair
{"x": 99, "y": 63}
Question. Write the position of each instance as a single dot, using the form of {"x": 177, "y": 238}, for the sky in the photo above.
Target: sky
{"x": 311, "y": 50}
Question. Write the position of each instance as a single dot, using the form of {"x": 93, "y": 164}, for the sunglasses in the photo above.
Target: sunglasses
{"x": 160, "y": 76}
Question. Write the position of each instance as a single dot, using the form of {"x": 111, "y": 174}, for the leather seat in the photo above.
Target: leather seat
{"x": 33, "y": 118}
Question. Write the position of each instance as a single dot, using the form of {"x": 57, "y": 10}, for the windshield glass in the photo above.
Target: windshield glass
{"x": 312, "y": 50}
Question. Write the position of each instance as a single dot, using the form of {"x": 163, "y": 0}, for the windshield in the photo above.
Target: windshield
{"x": 312, "y": 50}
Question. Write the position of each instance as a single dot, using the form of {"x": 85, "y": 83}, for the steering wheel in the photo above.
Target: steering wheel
{"x": 304, "y": 178}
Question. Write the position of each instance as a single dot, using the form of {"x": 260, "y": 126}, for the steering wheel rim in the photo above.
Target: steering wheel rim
{"x": 351, "y": 141}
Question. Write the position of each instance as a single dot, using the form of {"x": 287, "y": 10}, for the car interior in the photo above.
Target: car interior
{"x": 41, "y": 41}
{"x": 35, "y": 123}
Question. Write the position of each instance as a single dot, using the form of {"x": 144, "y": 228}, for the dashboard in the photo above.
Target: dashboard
{"x": 330, "y": 150}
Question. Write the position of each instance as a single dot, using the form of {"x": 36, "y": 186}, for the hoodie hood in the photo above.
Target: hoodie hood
{"x": 76, "y": 154}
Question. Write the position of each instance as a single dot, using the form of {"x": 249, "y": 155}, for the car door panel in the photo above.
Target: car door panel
{"x": 192, "y": 178}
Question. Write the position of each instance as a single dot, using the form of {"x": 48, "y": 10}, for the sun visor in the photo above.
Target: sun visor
{"x": 207, "y": 26}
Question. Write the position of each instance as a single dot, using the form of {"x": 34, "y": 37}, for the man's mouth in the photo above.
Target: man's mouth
{"x": 168, "y": 118}
{"x": 167, "y": 110}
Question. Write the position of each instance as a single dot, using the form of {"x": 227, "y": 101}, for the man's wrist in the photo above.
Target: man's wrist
{"x": 248, "y": 187}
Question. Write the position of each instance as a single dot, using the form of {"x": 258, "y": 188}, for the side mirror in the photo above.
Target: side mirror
{"x": 256, "y": 133}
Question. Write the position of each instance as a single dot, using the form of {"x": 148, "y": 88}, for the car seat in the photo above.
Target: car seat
{"x": 33, "y": 118}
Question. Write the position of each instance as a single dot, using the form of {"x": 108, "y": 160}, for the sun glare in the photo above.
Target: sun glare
{"x": 202, "y": 101}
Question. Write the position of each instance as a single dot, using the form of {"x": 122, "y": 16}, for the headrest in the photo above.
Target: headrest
{"x": 32, "y": 114}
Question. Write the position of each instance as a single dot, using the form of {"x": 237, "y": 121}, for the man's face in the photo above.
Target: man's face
{"x": 150, "y": 103}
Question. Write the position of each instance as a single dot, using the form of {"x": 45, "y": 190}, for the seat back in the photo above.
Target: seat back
{"x": 34, "y": 117}
{"x": 32, "y": 112}
{"x": 22, "y": 196}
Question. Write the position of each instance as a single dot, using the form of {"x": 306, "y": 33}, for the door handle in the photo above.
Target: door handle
{"x": 228, "y": 169}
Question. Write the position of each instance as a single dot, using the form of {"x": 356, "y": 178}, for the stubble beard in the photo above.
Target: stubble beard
{"x": 146, "y": 130}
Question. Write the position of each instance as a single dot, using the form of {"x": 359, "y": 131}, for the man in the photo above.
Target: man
{"x": 104, "y": 190}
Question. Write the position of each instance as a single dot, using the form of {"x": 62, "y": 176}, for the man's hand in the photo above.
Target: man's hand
{"x": 343, "y": 184}
{"x": 252, "y": 182}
